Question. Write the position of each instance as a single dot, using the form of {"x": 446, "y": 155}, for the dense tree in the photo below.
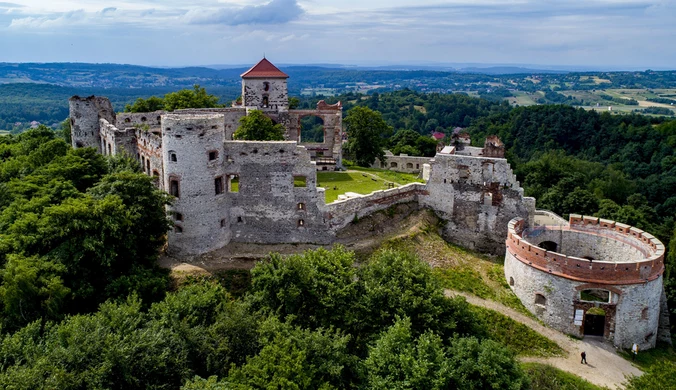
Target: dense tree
{"x": 366, "y": 132}
{"x": 256, "y": 126}
{"x": 184, "y": 98}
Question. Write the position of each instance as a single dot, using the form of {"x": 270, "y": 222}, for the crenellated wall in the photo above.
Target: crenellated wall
{"x": 550, "y": 284}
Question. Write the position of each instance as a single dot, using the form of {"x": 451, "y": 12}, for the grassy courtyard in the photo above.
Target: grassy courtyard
{"x": 361, "y": 181}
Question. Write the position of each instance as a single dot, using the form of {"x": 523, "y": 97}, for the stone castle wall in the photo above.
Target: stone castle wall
{"x": 401, "y": 163}
{"x": 84, "y": 120}
{"x": 343, "y": 212}
{"x": 477, "y": 197}
{"x": 199, "y": 213}
{"x": 254, "y": 91}
{"x": 269, "y": 208}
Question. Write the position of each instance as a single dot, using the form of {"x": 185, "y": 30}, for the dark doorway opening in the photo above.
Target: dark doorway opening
{"x": 594, "y": 324}
{"x": 550, "y": 246}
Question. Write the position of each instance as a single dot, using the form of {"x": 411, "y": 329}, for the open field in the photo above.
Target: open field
{"x": 361, "y": 181}
{"x": 522, "y": 99}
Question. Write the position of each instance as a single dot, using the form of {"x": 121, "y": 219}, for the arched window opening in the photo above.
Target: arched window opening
{"x": 172, "y": 156}
{"x": 300, "y": 181}
{"x": 644, "y": 313}
{"x": 143, "y": 163}
{"x": 409, "y": 165}
{"x": 178, "y": 229}
{"x": 550, "y": 246}
{"x": 301, "y": 223}
{"x": 595, "y": 295}
{"x": 393, "y": 164}
{"x": 110, "y": 149}
{"x": 148, "y": 165}
{"x": 265, "y": 101}
{"x": 266, "y": 86}
{"x": 511, "y": 281}
{"x": 540, "y": 300}
{"x": 178, "y": 216}
{"x": 301, "y": 206}
{"x": 223, "y": 223}
{"x": 311, "y": 129}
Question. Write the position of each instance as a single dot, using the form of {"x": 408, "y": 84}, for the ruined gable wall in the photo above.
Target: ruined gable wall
{"x": 266, "y": 209}
{"x": 84, "y": 120}
{"x": 333, "y": 130}
{"x": 231, "y": 116}
{"x": 477, "y": 197}
{"x": 139, "y": 119}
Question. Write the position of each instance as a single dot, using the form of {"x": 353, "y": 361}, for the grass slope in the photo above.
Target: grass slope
{"x": 546, "y": 377}
{"x": 461, "y": 269}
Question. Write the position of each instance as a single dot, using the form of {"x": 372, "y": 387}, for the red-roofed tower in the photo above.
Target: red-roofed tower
{"x": 264, "y": 87}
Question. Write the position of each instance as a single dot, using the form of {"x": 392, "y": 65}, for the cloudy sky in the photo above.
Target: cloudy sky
{"x": 602, "y": 33}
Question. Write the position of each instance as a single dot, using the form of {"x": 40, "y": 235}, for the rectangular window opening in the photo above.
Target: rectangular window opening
{"x": 218, "y": 185}
{"x": 233, "y": 183}
{"x": 213, "y": 155}
{"x": 174, "y": 188}
{"x": 300, "y": 181}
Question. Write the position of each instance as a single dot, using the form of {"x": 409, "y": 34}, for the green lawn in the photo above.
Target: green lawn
{"x": 546, "y": 377}
{"x": 4, "y": 132}
{"x": 361, "y": 182}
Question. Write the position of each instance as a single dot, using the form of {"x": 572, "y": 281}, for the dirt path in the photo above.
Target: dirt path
{"x": 604, "y": 368}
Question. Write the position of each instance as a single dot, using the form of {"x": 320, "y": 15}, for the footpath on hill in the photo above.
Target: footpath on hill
{"x": 605, "y": 367}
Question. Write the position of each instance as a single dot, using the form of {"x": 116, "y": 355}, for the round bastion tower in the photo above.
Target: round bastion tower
{"x": 194, "y": 174}
{"x": 590, "y": 277}
{"x": 84, "y": 120}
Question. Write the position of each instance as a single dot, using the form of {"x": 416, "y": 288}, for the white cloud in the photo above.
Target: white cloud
{"x": 274, "y": 12}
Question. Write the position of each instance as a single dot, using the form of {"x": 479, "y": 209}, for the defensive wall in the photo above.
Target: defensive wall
{"x": 555, "y": 270}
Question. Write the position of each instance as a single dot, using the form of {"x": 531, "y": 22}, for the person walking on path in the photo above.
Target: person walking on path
{"x": 584, "y": 358}
{"x": 634, "y": 351}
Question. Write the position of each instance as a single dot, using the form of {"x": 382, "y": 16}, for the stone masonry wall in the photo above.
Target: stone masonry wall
{"x": 477, "y": 197}
{"x": 401, "y": 163}
{"x": 342, "y": 212}
{"x": 84, "y": 120}
{"x": 253, "y": 91}
{"x": 268, "y": 208}
{"x": 200, "y": 214}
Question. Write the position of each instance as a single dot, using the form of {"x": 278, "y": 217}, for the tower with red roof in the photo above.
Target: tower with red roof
{"x": 264, "y": 87}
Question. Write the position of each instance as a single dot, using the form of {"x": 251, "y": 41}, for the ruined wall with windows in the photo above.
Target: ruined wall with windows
{"x": 327, "y": 153}
{"x": 401, "y": 163}
{"x": 478, "y": 196}
{"x": 277, "y": 199}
